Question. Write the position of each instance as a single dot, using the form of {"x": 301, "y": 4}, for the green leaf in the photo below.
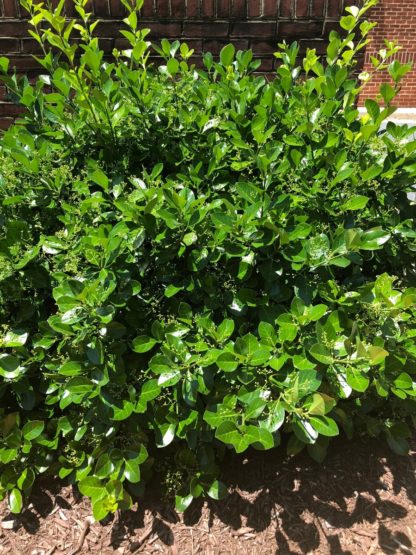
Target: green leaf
{"x": 227, "y": 54}
{"x": 214, "y": 415}
{"x": 255, "y": 408}
{"x": 398, "y": 444}
{"x": 15, "y": 338}
{"x": 173, "y": 66}
{"x": 218, "y": 490}
{"x": 348, "y": 22}
{"x": 26, "y": 479}
{"x": 132, "y": 471}
{"x": 92, "y": 487}
{"x": 71, "y": 368}
{"x": 32, "y": 430}
{"x": 374, "y": 239}
{"x": 372, "y": 108}
{"x": 183, "y": 502}
{"x": 260, "y": 437}
{"x": 143, "y": 343}
{"x": 319, "y": 449}
{"x": 228, "y": 433}
{"x": 259, "y": 357}
{"x": 225, "y": 330}
{"x": 357, "y": 202}
{"x": 9, "y": 366}
{"x": 324, "y": 425}
{"x": 404, "y": 381}
{"x": 165, "y": 434}
{"x": 306, "y": 382}
{"x": 288, "y": 330}
{"x": 227, "y": 362}
{"x": 275, "y": 417}
{"x": 168, "y": 379}
{"x": 15, "y": 501}
{"x": 304, "y": 430}
{"x": 79, "y": 386}
{"x": 160, "y": 364}
{"x": 4, "y": 64}
{"x": 99, "y": 177}
{"x": 357, "y": 380}
{"x": 104, "y": 466}
{"x": 100, "y": 509}
{"x": 321, "y": 354}
{"x": 376, "y": 354}
{"x": 319, "y": 404}
{"x": 150, "y": 390}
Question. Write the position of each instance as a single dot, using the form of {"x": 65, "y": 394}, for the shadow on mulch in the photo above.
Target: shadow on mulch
{"x": 361, "y": 499}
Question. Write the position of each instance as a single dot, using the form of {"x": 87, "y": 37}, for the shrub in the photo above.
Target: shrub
{"x": 199, "y": 260}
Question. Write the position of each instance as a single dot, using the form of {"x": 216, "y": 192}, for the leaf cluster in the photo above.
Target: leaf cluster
{"x": 199, "y": 261}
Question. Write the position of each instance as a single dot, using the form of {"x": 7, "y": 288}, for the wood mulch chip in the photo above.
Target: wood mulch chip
{"x": 360, "y": 501}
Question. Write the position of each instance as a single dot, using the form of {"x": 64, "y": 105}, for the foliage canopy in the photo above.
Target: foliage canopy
{"x": 199, "y": 260}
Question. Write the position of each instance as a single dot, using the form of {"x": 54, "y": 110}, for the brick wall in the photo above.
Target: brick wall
{"x": 206, "y": 25}
{"x": 396, "y": 20}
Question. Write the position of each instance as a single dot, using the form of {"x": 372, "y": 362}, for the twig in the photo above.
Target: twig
{"x": 362, "y": 533}
{"x": 81, "y": 540}
{"x": 51, "y": 550}
{"x": 141, "y": 540}
{"x": 318, "y": 520}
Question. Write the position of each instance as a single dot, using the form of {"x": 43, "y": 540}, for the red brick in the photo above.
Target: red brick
{"x": 192, "y": 8}
{"x": 24, "y": 63}
{"x": 10, "y": 8}
{"x": 223, "y": 8}
{"x": 148, "y": 8}
{"x": 5, "y": 123}
{"x": 270, "y": 8}
{"x": 162, "y": 8}
{"x": 100, "y": 8}
{"x": 263, "y": 46}
{"x": 208, "y": 30}
{"x": 108, "y": 29}
{"x": 286, "y": 8}
{"x": 239, "y": 9}
{"x": 70, "y": 10}
{"x": 7, "y": 46}
{"x": 331, "y": 26}
{"x": 163, "y": 30}
{"x": 302, "y": 8}
{"x": 107, "y": 45}
{"x": 30, "y": 46}
{"x": 195, "y": 44}
{"x": 318, "y": 44}
{"x": 196, "y": 61}
{"x": 9, "y": 109}
{"x": 215, "y": 46}
{"x": 266, "y": 65}
{"x": 334, "y": 8}
{"x": 318, "y": 7}
{"x": 253, "y": 29}
{"x": 14, "y": 30}
{"x": 178, "y": 8}
{"x": 254, "y": 8}
{"x": 299, "y": 29}
{"x": 117, "y": 9}
{"x": 208, "y": 8}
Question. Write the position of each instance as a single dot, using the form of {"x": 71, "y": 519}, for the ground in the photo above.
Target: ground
{"x": 361, "y": 500}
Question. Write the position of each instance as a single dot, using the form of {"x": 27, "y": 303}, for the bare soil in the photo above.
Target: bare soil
{"x": 361, "y": 500}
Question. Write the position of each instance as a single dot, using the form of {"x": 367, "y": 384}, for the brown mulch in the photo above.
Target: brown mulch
{"x": 361, "y": 501}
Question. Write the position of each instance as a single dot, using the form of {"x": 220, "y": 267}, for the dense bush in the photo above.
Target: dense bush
{"x": 199, "y": 260}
